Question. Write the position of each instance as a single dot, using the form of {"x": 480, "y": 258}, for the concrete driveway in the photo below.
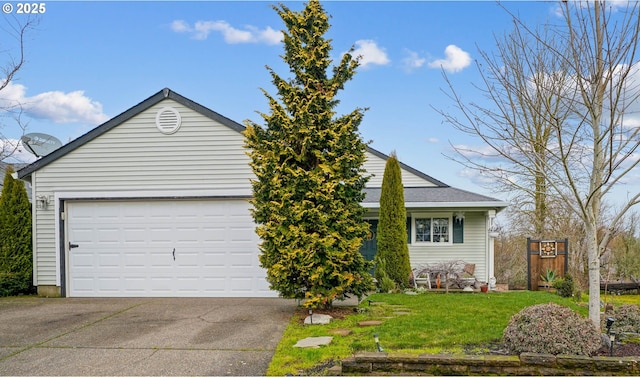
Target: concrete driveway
{"x": 140, "y": 336}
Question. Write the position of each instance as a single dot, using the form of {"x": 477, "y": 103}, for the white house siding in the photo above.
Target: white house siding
{"x": 45, "y": 235}
{"x": 203, "y": 154}
{"x": 375, "y": 166}
{"x": 135, "y": 157}
{"x": 470, "y": 251}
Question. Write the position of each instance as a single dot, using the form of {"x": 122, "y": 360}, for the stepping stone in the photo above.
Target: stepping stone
{"x": 401, "y": 313}
{"x": 369, "y": 323}
{"x": 341, "y": 332}
{"x": 314, "y": 342}
{"x": 335, "y": 370}
{"x": 318, "y": 319}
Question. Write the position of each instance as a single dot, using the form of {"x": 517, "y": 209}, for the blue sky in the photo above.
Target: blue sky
{"x": 89, "y": 61}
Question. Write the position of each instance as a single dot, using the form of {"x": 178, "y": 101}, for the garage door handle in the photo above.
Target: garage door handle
{"x": 174, "y": 254}
{"x": 73, "y": 245}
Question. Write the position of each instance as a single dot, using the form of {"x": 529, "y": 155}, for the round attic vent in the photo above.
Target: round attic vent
{"x": 168, "y": 120}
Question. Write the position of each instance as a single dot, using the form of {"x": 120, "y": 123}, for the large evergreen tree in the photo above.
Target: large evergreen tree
{"x": 308, "y": 163}
{"x": 15, "y": 234}
{"x": 393, "y": 250}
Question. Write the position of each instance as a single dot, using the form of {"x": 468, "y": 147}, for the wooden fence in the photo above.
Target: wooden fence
{"x": 543, "y": 255}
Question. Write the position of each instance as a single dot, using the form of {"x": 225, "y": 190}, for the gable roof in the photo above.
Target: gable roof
{"x": 123, "y": 117}
{"x": 152, "y": 101}
{"x": 440, "y": 193}
{"x": 409, "y": 168}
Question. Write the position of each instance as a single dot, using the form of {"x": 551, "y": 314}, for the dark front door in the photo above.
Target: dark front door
{"x": 370, "y": 242}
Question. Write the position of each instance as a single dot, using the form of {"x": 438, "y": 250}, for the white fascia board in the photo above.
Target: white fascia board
{"x": 144, "y": 194}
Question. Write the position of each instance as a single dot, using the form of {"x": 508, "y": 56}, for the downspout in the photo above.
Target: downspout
{"x": 34, "y": 222}
{"x": 491, "y": 214}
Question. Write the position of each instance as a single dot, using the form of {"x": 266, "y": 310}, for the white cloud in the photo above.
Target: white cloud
{"x": 476, "y": 176}
{"x": 231, "y": 35}
{"x": 56, "y": 106}
{"x": 476, "y": 151}
{"x": 72, "y": 107}
{"x": 251, "y": 34}
{"x": 433, "y": 140}
{"x": 456, "y": 59}
{"x": 368, "y": 53}
{"x": 558, "y": 10}
{"x": 413, "y": 60}
{"x": 11, "y": 95}
{"x": 180, "y": 26}
{"x": 267, "y": 35}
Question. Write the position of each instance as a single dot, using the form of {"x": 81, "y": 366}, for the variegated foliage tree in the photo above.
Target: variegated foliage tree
{"x": 309, "y": 172}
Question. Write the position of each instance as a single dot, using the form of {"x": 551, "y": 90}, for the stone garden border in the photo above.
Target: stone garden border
{"x": 527, "y": 364}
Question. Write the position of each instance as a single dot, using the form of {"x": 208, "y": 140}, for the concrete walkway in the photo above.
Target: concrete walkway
{"x": 140, "y": 336}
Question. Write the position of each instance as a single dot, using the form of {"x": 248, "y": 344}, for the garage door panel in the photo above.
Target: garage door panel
{"x": 126, "y": 248}
{"x": 240, "y": 260}
{"x": 84, "y": 284}
{"x": 84, "y": 235}
{"x": 108, "y": 260}
{"x": 212, "y": 260}
{"x": 241, "y": 284}
{"x": 160, "y": 234}
{"x": 109, "y": 284}
{"x": 133, "y": 233}
{"x": 106, "y": 236}
{"x": 135, "y": 260}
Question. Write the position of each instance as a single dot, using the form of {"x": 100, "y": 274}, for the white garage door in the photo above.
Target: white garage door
{"x": 163, "y": 248}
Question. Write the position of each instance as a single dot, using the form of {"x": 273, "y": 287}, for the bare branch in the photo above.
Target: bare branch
{"x": 15, "y": 30}
{"x": 557, "y": 99}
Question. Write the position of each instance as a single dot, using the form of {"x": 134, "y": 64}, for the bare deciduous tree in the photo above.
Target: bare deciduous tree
{"x": 560, "y": 117}
{"x": 12, "y": 48}
{"x": 522, "y": 82}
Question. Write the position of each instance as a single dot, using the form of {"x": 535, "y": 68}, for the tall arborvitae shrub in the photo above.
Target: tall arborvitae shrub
{"x": 16, "y": 255}
{"x": 392, "y": 227}
{"x": 5, "y": 230}
{"x": 309, "y": 175}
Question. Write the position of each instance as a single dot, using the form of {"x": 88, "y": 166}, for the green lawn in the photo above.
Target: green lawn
{"x": 619, "y": 299}
{"x": 424, "y": 323}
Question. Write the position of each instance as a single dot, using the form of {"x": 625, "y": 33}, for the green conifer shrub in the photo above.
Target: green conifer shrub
{"x": 384, "y": 282}
{"x": 16, "y": 253}
{"x": 309, "y": 171}
{"x": 392, "y": 227}
{"x": 565, "y": 287}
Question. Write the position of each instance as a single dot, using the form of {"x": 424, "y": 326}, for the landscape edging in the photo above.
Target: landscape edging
{"x": 525, "y": 364}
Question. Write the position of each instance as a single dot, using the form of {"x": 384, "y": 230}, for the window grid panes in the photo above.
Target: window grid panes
{"x": 432, "y": 229}
{"x": 441, "y": 230}
{"x": 423, "y": 230}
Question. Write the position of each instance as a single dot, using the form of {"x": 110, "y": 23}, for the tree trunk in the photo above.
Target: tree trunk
{"x": 591, "y": 240}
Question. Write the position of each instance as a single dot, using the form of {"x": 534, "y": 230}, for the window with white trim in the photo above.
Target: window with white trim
{"x": 437, "y": 228}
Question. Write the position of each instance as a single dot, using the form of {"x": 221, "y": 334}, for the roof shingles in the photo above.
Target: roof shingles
{"x": 442, "y": 195}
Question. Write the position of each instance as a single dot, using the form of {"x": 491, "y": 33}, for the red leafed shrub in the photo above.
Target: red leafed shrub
{"x": 551, "y": 328}
{"x": 627, "y": 319}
